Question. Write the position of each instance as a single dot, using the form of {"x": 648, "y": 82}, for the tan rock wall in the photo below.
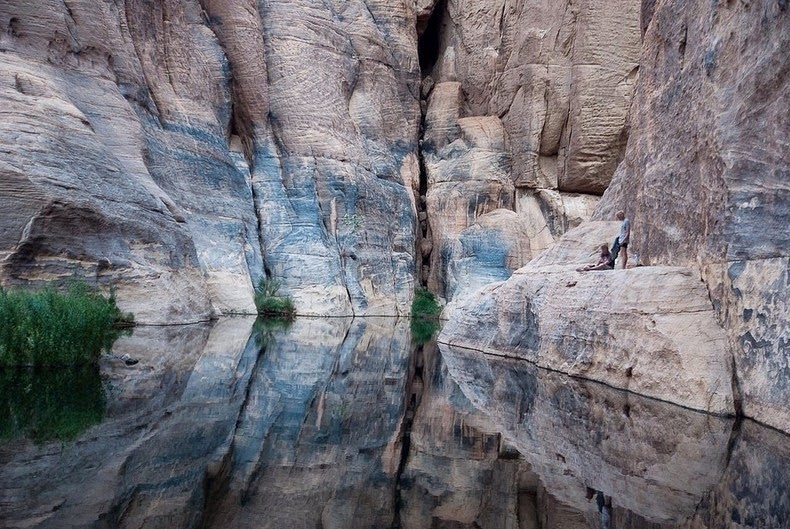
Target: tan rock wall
{"x": 705, "y": 176}
{"x": 559, "y": 75}
{"x": 553, "y": 83}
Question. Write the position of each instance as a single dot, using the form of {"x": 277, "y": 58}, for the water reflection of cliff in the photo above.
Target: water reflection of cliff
{"x": 236, "y": 426}
{"x": 316, "y": 444}
{"x": 660, "y": 466}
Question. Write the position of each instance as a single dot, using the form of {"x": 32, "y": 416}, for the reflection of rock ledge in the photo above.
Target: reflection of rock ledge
{"x": 649, "y": 330}
{"x": 653, "y": 459}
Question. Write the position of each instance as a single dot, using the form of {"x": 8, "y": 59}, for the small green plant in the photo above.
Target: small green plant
{"x": 425, "y": 312}
{"x": 269, "y": 303}
{"x": 48, "y": 327}
{"x": 353, "y": 221}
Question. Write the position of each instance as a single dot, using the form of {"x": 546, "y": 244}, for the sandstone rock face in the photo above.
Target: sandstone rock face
{"x": 559, "y": 75}
{"x": 527, "y": 103}
{"x": 705, "y": 176}
{"x": 650, "y": 330}
{"x": 182, "y": 151}
{"x": 470, "y": 200}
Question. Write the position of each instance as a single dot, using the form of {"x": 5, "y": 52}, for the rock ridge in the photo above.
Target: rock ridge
{"x": 650, "y": 330}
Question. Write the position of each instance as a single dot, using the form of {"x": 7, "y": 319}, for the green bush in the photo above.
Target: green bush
{"x": 49, "y": 327}
{"x": 424, "y": 304}
{"x": 269, "y": 303}
{"x": 423, "y": 330}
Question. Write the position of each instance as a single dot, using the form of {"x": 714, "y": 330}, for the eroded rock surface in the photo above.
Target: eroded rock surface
{"x": 560, "y": 76}
{"x": 705, "y": 175}
{"x": 182, "y": 151}
{"x": 525, "y": 110}
{"x": 651, "y": 330}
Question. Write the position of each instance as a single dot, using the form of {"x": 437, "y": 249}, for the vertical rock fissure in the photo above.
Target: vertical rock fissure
{"x": 430, "y": 37}
{"x": 414, "y": 394}
{"x": 423, "y": 237}
{"x": 429, "y": 49}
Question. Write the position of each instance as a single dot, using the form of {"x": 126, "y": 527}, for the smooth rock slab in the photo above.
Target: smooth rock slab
{"x": 649, "y": 330}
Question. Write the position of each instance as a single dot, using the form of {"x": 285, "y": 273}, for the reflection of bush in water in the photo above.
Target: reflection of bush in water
{"x": 424, "y": 313}
{"x": 47, "y": 404}
{"x": 423, "y": 330}
{"x": 265, "y": 328}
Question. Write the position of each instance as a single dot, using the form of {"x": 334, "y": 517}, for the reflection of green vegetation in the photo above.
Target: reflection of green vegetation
{"x": 423, "y": 330}
{"x": 46, "y": 404}
{"x": 48, "y": 327}
{"x": 268, "y": 302}
{"x": 265, "y": 328}
{"x": 425, "y": 312}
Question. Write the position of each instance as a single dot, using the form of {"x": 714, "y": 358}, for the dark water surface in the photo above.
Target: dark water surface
{"x": 341, "y": 423}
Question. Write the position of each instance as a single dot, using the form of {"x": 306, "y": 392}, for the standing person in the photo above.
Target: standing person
{"x": 625, "y": 235}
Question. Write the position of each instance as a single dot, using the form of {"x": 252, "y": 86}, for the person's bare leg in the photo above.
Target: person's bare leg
{"x": 624, "y": 259}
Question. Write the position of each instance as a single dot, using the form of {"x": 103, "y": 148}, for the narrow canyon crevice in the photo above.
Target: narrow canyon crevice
{"x": 429, "y": 48}
{"x": 412, "y": 397}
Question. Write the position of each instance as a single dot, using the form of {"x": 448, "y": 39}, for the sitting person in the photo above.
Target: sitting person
{"x": 605, "y": 261}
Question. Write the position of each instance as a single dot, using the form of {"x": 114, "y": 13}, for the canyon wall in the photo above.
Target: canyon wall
{"x": 179, "y": 152}
{"x": 525, "y": 123}
{"x": 706, "y": 176}
{"x": 704, "y": 180}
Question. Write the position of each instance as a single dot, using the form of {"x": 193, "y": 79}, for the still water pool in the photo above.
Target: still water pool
{"x": 346, "y": 423}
